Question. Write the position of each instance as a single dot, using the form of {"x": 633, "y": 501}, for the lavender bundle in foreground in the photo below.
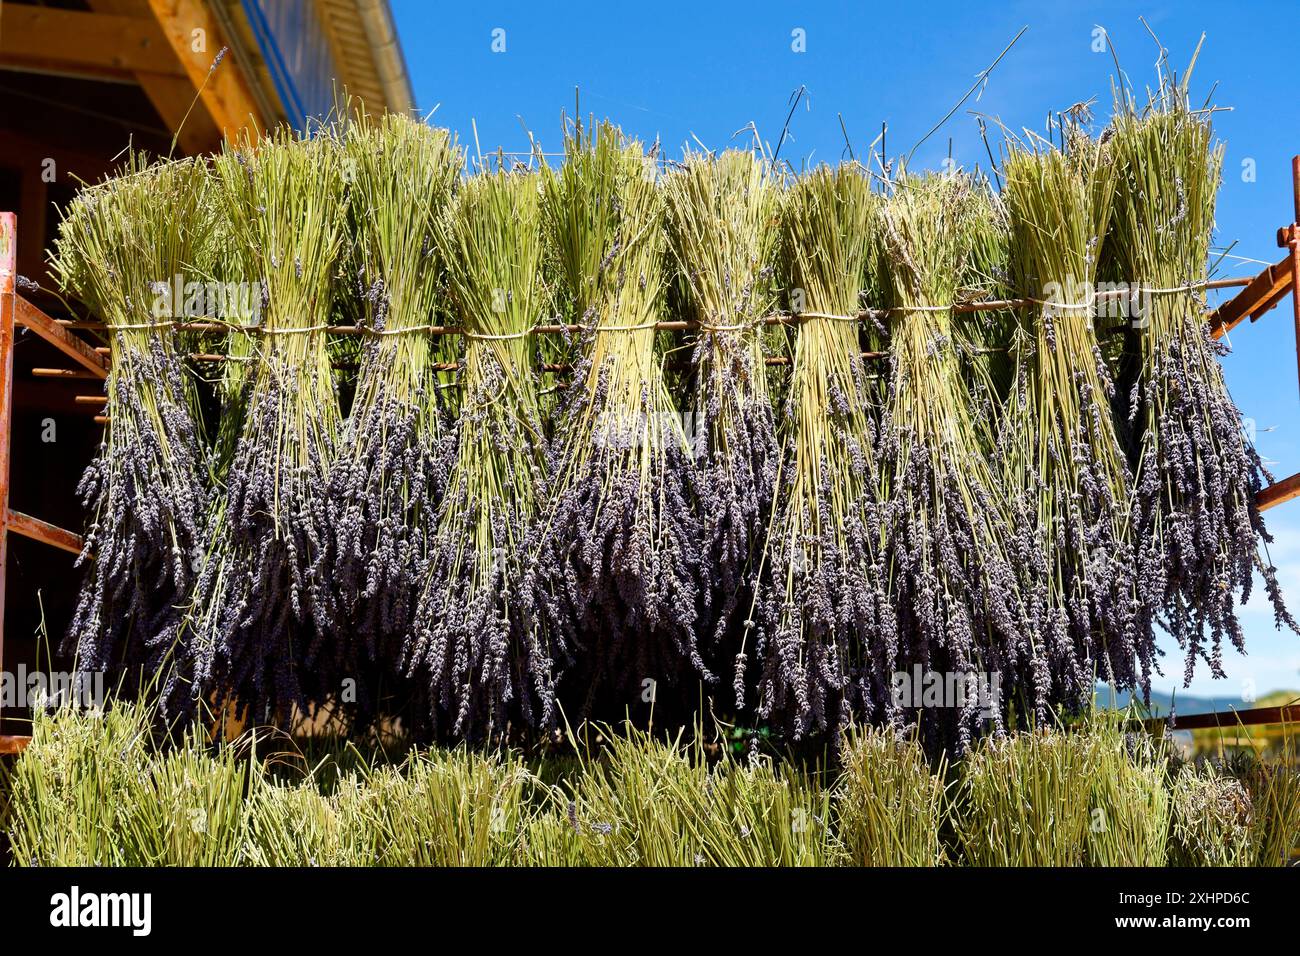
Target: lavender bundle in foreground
{"x": 264, "y": 607}
{"x": 1065, "y": 468}
{"x": 946, "y": 524}
{"x": 123, "y": 246}
{"x": 470, "y": 638}
{"x": 1198, "y": 528}
{"x": 617, "y": 555}
{"x": 721, "y": 229}
{"x": 387, "y": 481}
{"x": 824, "y": 637}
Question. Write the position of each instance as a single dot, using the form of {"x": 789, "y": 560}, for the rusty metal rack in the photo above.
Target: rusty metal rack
{"x": 16, "y": 311}
{"x": 1258, "y": 295}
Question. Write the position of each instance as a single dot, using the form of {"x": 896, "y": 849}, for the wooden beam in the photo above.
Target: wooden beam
{"x": 225, "y": 90}
{"x": 44, "y": 532}
{"x": 75, "y": 43}
{"x": 172, "y": 95}
{"x": 1287, "y": 714}
{"x": 70, "y": 345}
{"x": 1263, "y": 292}
{"x": 1278, "y": 492}
{"x": 8, "y": 303}
{"x": 14, "y": 745}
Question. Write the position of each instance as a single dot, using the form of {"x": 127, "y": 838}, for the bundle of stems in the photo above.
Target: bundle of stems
{"x": 470, "y": 640}
{"x": 442, "y": 808}
{"x": 946, "y": 524}
{"x": 264, "y": 605}
{"x": 1211, "y": 818}
{"x": 188, "y": 809}
{"x": 97, "y": 791}
{"x": 652, "y": 800}
{"x": 1273, "y": 783}
{"x": 823, "y": 633}
{"x": 1065, "y": 468}
{"x": 721, "y": 230}
{"x": 393, "y": 465}
{"x": 301, "y": 826}
{"x": 70, "y": 791}
{"x": 1197, "y": 526}
{"x": 1024, "y": 800}
{"x": 617, "y": 552}
{"x": 1130, "y": 793}
{"x": 124, "y": 248}
{"x": 890, "y": 807}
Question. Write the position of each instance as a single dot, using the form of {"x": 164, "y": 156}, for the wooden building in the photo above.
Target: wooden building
{"x": 80, "y": 82}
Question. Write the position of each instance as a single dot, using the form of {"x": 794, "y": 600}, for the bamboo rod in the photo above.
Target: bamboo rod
{"x": 68, "y": 373}
{"x": 781, "y": 318}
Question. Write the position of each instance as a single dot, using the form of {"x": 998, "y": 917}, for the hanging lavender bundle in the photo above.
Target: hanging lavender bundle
{"x": 387, "y": 480}
{"x": 1196, "y": 523}
{"x": 264, "y": 606}
{"x": 1065, "y": 468}
{"x": 824, "y": 637}
{"x": 470, "y": 639}
{"x": 124, "y": 248}
{"x": 617, "y": 562}
{"x": 721, "y": 230}
{"x": 946, "y": 525}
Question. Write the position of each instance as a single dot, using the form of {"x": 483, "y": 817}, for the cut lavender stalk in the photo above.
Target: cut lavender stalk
{"x": 392, "y": 466}
{"x": 265, "y": 604}
{"x": 1064, "y": 464}
{"x": 616, "y": 560}
{"x": 1199, "y": 532}
{"x": 946, "y": 523}
{"x": 471, "y": 642}
{"x": 124, "y": 247}
{"x": 721, "y": 230}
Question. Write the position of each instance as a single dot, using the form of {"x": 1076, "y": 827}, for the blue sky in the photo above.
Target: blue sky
{"x": 675, "y": 70}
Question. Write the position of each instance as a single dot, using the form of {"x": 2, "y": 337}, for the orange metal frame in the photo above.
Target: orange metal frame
{"x": 16, "y": 311}
{"x": 1259, "y": 296}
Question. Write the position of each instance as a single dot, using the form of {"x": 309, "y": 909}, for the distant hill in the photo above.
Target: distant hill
{"x": 1161, "y": 703}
